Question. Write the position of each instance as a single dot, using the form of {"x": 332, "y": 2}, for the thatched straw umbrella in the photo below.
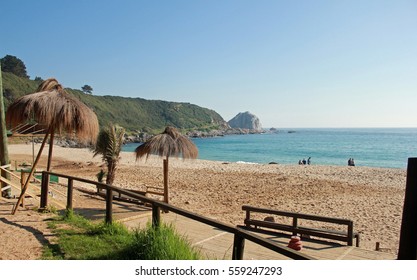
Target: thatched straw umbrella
{"x": 167, "y": 144}
{"x": 60, "y": 112}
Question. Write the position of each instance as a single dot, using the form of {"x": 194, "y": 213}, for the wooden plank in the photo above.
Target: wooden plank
{"x": 17, "y": 188}
{"x": 10, "y": 172}
{"x": 8, "y": 187}
{"x": 346, "y": 236}
{"x": 323, "y": 233}
{"x": 298, "y": 215}
{"x": 34, "y": 195}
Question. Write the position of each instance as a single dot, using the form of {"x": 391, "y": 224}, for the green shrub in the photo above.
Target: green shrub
{"x": 162, "y": 243}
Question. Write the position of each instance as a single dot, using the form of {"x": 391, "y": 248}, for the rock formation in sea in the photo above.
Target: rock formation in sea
{"x": 246, "y": 120}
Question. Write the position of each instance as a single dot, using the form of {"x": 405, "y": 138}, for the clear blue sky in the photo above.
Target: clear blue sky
{"x": 291, "y": 63}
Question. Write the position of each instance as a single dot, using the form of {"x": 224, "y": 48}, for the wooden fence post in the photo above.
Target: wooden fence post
{"x": 109, "y": 205}
{"x": 44, "y": 190}
{"x": 4, "y": 151}
{"x": 166, "y": 183}
{"x": 294, "y": 224}
{"x": 408, "y": 236}
{"x": 22, "y": 184}
{"x": 350, "y": 234}
{"x": 156, "y": 216}
{"x": 69, "y": 193}
{"x": 238, "y": 247}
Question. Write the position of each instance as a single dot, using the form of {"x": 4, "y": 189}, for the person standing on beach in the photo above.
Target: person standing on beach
{"x": 309, "y": 160}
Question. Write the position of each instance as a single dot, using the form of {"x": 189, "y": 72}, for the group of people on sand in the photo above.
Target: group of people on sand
{"x": 351, "y": 161}
{"x": 304, "y": 161}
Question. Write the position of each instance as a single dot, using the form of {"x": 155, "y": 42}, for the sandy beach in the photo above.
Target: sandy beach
{"x": 372, "y": 197}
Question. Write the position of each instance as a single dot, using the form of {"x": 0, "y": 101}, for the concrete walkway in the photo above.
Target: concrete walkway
{"x": 217, "y": 244}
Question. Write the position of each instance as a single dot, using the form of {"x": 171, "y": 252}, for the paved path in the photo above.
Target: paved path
{"x": 217, "y": 244}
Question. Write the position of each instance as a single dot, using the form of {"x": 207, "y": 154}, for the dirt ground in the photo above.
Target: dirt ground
{"x": 22, "y": 235}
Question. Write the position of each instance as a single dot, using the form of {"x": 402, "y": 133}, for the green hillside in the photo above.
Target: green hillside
{"x": 14, "y": 87}
{"x": 131, "y": 113}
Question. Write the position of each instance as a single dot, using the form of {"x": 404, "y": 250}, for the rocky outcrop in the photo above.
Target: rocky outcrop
{"x": 246, "y": 120}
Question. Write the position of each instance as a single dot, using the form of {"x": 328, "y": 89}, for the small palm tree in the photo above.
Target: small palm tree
{"x": 100, "y": 175}
{"x": 109, "y": 144}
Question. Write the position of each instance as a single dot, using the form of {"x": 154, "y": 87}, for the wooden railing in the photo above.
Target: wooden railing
{"x": 294, "y": 228}
{"x": 240, "y": 235}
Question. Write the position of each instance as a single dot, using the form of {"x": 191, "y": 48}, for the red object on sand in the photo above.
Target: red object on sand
{"x": 295, "y": 243}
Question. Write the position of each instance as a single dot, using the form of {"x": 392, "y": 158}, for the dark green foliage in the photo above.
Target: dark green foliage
{"x": 87, "y": 89}
{"x": 15, "y": 87}
{"x": 14, "y": 65}
{"x": 154, "y": 115}
{"x": 134, "y": 114}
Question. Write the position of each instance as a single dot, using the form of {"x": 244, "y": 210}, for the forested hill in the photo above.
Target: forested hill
{"x": 131, "y": 113}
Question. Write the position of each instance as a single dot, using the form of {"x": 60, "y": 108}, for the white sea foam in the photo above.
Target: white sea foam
{"x": 246, "y": 162}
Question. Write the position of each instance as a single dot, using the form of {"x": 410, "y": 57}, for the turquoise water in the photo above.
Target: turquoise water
{"x": 369, "y": 147}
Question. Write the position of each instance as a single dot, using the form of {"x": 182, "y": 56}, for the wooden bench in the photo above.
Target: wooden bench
{"x": 100, "y": 188}
{"x": 294, "y": 229}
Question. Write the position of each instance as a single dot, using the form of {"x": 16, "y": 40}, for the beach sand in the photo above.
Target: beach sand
{"x": 372, "y": 197}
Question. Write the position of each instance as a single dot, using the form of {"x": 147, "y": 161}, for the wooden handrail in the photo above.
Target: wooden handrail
{"x": 297, "y": 215}
{"x": 347, "y": 236}
{"x": 239, "y": 233}
{"x": 4, "y": 168}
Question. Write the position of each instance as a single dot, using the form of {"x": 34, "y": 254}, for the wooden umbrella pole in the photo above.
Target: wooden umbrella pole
{"x": 166, "y": 199}
{"x": 30, "y": 174}
{"x": 51, "y": 145}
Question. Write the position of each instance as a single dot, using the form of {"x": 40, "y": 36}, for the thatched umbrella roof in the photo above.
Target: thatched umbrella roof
{"x": 167, "y": 144}
{"x": 54, "y": 108}
{"x": 60, "y": 112}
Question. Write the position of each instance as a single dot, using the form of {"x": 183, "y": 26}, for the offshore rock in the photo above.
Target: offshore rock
{"x": 246, "y": 121}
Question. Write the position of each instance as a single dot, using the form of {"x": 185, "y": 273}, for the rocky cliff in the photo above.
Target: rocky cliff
{"x": 246, "y": 120}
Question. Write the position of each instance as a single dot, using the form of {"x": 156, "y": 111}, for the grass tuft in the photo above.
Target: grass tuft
{"x": 162, "y": 243}
{"x": 80, "y": 239}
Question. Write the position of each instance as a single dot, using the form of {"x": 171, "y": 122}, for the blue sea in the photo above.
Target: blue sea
{"x": 373, "y": 147}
